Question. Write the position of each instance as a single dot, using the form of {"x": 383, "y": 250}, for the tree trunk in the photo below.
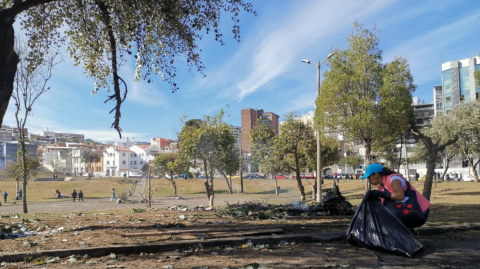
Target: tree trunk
{"x": 470, "y": 164}
{"x": 447, "y": 163}
{"x": 229, "y": 184}
{"x": 212, "y": 192}
{"x": 207, "y": 189}
{"x": 431, "y": 157}
{"x": 174, "y": 187}
{"x": 8, "y": 62}
{"x": 475, "y": 174}
{"x": 368, "y": 150}
{"x": 276, "y": 187}
{"x": 18, "y": 189}
{"x": 299, "y": 181}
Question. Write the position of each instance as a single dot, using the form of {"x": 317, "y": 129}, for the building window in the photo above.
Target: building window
{"x": 134, "y": 155}
{"x": 108, "y": 162}
{"x": 464, "y": 84}
{"x": 131, "y": 162}
{"x": 141, "y": 162}
{"x": 123, "y": 162}
{"x": 135, "y": 162}
{"x": 124, "y": 154}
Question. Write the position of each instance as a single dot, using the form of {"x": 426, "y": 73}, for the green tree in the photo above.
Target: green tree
{"x": 442, "y": 134}
{"x": 25, "y": 166}
{"x": 295, "y": 148}
{"x": 102, "y": 34}
{"x": 466, "y": 120}
{"x": 29, "y": 84}
{"x": 207, "y": 141}
{"x": 89, "y": 158}
{"x": 229, "y": 159}
{"x": 363, "y": 98}
{"x": 171, "y": 164}
{"x": 262, "y": 141}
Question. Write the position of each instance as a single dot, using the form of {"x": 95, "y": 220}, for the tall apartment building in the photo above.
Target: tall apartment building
{"x": 424, "y": 113}
{"x": 237, "y": 132}
{"x": 250, "y": 117}
{"x": 458, "y": 84}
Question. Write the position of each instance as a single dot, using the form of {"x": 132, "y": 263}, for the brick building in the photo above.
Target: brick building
{"x": 250, "y": 117}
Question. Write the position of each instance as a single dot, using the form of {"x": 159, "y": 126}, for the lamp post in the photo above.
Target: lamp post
{"x": 319, "y": 145}
{"x": 128, "y": 156}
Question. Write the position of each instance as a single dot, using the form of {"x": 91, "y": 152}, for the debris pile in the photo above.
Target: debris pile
{"x": 333, "y": 204}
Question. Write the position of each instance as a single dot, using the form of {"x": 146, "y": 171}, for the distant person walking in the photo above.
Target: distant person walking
{"x": 113, "y": 195}
{"x": 74, "y": 195}
{"x": 80, "y": 195}
{"x": 5, "y": 194}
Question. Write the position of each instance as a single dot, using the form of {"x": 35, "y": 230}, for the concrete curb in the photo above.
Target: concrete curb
{"x": 172, "y": 246}
{"x": 230, "y": 241}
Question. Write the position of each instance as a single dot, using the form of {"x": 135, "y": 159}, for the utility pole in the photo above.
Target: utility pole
{"x": 319, "y": 145}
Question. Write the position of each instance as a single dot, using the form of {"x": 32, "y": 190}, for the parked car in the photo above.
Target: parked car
{"x": 310, "y": 176}
{"x": 185, "y": 176}
{"x": 279, "y": 176}
{"x": 301, "y": 176}
{"x": 250, "y": 176}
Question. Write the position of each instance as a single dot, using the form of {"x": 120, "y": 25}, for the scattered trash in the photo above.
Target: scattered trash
{"x": 168, "y": 267}
{"x": 333, "y": 203}
{"x": 182, "y": 217}
{"x": 336, "y": 265}
{"x": 253, "y": 265}
{"x": 30, "y": 244}
{"x": 138, "y": 210}
{"x": 214, "y": 253}
{"x": 64, "y": 240}
{"x": 283, "y": 243}
{"x": 72, "y": 258}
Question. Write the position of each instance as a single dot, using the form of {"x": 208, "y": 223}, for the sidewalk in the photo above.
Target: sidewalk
{"x": 139, "y": 192}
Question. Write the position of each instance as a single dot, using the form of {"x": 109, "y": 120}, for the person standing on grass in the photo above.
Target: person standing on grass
{"x": 113, "y": 195}
{"x": 5, "y": 194}
{"x": 80, "y": 195}
{"x": 74, "y": 195}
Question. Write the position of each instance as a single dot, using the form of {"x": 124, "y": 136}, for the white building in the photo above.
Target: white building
{"x": 78, "y": 165}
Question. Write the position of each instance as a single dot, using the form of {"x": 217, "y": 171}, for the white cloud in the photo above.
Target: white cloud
{"x": 424, "y": 51}
{"x": 274, "y": 51}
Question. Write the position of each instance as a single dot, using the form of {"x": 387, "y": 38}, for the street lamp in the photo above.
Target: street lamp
{"x": 319, "y": 146}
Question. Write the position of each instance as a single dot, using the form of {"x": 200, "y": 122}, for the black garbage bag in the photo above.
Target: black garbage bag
{"x": 374, "y": 227}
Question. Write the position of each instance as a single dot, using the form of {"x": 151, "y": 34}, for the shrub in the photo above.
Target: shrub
{"x": 123, "y": 196}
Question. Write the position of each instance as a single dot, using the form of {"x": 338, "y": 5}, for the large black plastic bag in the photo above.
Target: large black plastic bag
{"x": 374, "y": 227}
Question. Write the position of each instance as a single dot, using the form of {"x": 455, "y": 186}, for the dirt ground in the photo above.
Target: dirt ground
{"x": 97, "y": 229}
{"x": 101, "y": 223}
{"x": 460, "y": 251}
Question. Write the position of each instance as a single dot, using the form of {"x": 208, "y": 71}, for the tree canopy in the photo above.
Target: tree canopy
{"x": 363, "y": 98}
{"x": 102, "y": 35}
{"x": 211, "y": 142}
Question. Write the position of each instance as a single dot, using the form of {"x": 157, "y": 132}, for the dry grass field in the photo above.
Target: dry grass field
{"x": 452, "y": 202}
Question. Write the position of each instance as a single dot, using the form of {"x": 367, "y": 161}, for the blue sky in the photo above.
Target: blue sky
{"x": 264, "y": 71}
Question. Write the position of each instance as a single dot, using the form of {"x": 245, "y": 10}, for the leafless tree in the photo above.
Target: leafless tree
{"x": 33, "y": 74}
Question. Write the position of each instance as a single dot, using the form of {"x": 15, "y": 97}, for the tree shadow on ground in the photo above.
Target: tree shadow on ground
{"x": 460, "y": 193}
{"x": 444, "y": 214}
